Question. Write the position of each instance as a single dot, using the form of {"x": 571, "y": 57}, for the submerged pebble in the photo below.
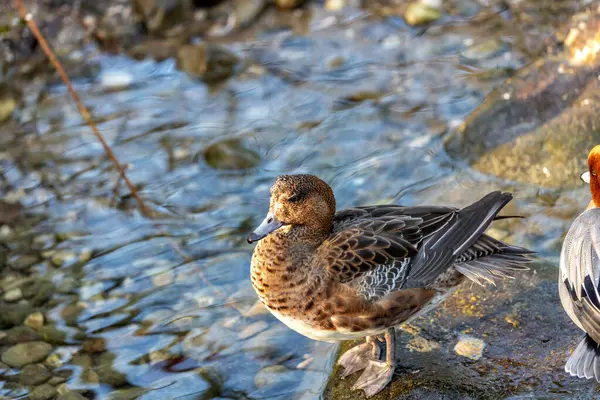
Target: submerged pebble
{"x": 13, "y": 295}
{"x": 420, "y": 14}
{"x": 34, "y": 374}
{"x": 43, "y": 392}
{"x": 271, "y": 375}
{"x": 22, "y": 354}
{"x": 230, "y": 154}
{"x": 35, "y": 320}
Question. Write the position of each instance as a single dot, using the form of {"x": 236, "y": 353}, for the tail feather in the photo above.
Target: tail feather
{"x": 489, "y": 259}
{"x": 459, "y": 234}
{"x": 585, "y": 360}
{"x": 487, "y": 269}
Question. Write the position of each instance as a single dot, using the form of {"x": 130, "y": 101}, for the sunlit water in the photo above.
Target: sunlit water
{"x": 361, "y": 102}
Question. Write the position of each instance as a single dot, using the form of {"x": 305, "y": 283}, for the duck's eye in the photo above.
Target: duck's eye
{"x": 295, "y": 198}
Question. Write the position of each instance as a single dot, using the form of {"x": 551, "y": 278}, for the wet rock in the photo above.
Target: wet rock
{"x": 34, "y": 374}
{"x": 90, "y": 376}
{"x": 230, "y": 155}
{"x": 94, "y": 345}
{"x": 67, "y": 285}
{"x": 273, "y": 374}
{"x": 13, "y": 295}
{"x": 538, "y": 127}
{"x": 334, "y": 5}
{"x": 247, "y": 11}
{"x": 288, "y": 4}
{"x": 39, "y": 292}
{"x": 35, "y": 320}
{"x": 71, "y": 312}
{"x": 43, "y": 392}
{"x": 83, "y": 360}
{"x": 21, "y": 334}
{"x": 26, "y": 353}
{"x": 256, "y": 310}
{"x": 470, "y": 347}
{"x": 115, "y": 80}
{"x": 71, "y": 396}
{"x": 63, "y": 258}
{"x": 22, "y": 262}
{"x": 209, "y": 62}
{"x": 14, "y": 314}
{"x": 533, "y": 110}
{"x": 484, "y": 50}
{"x": 54, "y": 360}
{"x": 9, "y": 212}
{"x": 51, "y": 334}
{"x": 420, "y": 14}
{"x": 253, "y": 329}
{"x": 161, "y": 15}
{"x": 57, "y": 380}
{"x": 420, "y": 344}
{"x": 104, "y": 369}
{"x": 127, "y": 394}
{"x": 8, "y": 102}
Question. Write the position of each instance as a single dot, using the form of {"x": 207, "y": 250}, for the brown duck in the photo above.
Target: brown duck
{"x": 362, "y": 271}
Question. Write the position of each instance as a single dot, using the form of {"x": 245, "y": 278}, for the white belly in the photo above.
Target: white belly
{"x": 338, "y": 335}
{"x": 321, "y": 334}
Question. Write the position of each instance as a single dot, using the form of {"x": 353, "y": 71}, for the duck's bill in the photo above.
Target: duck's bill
{"x": 585, "y": 177}
{"x": 270, "y": 224}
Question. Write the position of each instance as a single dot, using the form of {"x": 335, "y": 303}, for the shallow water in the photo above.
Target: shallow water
{"x": 362, "y": 102}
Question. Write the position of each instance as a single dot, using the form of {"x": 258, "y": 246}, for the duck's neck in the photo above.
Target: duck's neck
{"x": 595, "y": 189}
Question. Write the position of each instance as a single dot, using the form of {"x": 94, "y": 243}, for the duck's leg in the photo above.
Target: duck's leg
{"x": 358, "y": 357}
{"x": 379, "y": 373}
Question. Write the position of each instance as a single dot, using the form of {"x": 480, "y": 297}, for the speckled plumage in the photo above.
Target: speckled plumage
{"x": 336, "y": 276}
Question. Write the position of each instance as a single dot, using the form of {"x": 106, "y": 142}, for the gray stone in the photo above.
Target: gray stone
{"x": 14, "y": 314}
{"x": 22, "y": 262}
{"x": 230, "y": 154}
{"x": 26, "y": 353}
{"x": 106, "y": 372}
{"x": 127, "y": 394}
{"x": 34, "y": 374}
{"x": 39, "y": 292}
{"x": 57, "y": 380}
{"x": 83, "y": 360}
{"x": 43, "y": 392}
{"x": 208, "y": 62}
{"x": 13, "y": 295}
{"x": 71, "y": 396}
{"x": 52, "y": 334}
{"x": 273, "y": 374}
{"x": 35, "y": 320}
{"x": 21, "y": 334}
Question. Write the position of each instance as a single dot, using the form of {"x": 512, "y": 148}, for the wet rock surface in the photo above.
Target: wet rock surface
{"x": 535, "y": 127}
{"x": 480, "y": 354}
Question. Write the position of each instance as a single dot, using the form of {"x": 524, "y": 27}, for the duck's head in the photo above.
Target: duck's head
{"x": 298, "y": 201}
{"x": 591, "y": 175}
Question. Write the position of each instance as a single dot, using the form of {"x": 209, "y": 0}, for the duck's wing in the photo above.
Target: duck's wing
{"x": 580, "y": 272}
{"x": 578, "y": 283}
{"x": 370, "y": 247}
{"x": 378, "y": 250}
{"x": 368, "y": 243}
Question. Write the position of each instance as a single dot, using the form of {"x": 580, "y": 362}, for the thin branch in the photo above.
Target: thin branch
{"x": 28, "y": 18}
